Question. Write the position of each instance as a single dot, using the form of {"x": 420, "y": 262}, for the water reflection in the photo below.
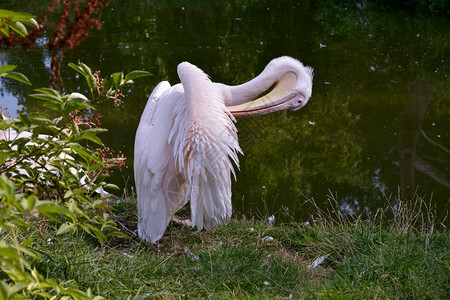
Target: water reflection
{"x": 377, "y": 120}
{"x": 410, "y": 131}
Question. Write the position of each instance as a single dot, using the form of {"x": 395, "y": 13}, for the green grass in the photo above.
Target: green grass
{"x": 367, "y": 260}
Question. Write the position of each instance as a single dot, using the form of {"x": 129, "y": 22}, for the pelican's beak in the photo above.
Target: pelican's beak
{"x": 283, "y": 96}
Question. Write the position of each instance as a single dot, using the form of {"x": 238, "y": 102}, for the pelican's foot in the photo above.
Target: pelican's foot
{"x": 185, "y": 222}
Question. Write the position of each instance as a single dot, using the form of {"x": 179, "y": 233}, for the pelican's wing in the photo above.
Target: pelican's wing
{"x": 153, "y": 165}
{"x": 210, "y": 145}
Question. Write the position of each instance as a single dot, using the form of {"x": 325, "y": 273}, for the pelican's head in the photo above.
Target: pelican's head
{"x": 292, "y": 91}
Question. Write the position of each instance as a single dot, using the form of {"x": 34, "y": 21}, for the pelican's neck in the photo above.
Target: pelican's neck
{"x": 238, "y": 94}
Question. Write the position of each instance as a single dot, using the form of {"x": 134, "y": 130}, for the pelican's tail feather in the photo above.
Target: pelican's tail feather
{"x": 210, "y": 200}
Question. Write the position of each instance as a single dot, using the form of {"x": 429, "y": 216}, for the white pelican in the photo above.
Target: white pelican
{"x": 186, "y": 141}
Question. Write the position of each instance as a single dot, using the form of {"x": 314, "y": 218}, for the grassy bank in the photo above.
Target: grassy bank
{"x": 362, "y": 260}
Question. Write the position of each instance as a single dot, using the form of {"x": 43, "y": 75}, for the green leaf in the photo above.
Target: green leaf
{"x": 96, "y": 130}
{"x": 27, "y": 242}
{"x": 89, "y": 228}
{"x": 74, "y": 294}
{"x": 5, "y": 30}
{"x": 110, "y": 186}
{"x": 3, "y": 157}
{"x": 137, "y": 74}
{"x": 19, "y": 28}
{"x": 68, "y": 194}
{"x": 7, "y": 68}
{"x": 9, "y": 253}
{"x": 86, "y": 69}
{"x": 74, "y": 128}
{"x": 117, "y": 79}
{"x": 77, "y": 104}
{"x": 31, "y": 201}
{"x": 15, "y": 289}
{"x": 55, "y": 122}
{"x": 28, "y": 251}
{"x": 31, "y": 22}
{"x": 48, "y": 97}
{"x": 54, "y": 107}
{"x": 19, "y": 16}
{"x": 51, "y": 210}
{"x": 49, "y": 91}
{"x": 51, "y": 101}
{"x": 77, "y": 68}
{"x": 64, "y": 134}
{"x": 78, "y": 96}
{"x": 66, "y": 227}
{"x": 7, "y": 187}
{"x": 82, "y": 197}
{"x": 85, "y": 154}
{"x": 88, "y": 75}
{"x": 25, "y": 119}
{"x": 90, "y": 136}
{"x": 107, "y": 84}
{"x": 19, "y": 77}
{"x": 40, "y": 118}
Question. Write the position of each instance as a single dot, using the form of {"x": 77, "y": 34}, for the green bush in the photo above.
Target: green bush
{"x": 15, "y": 21}
{"x": 52, "y": 175}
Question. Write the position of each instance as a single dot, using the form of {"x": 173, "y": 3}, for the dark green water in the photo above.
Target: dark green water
{"x": 377, "y": 125}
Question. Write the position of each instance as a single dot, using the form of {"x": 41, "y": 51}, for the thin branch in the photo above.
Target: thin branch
{"x": 433, "y": 142}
